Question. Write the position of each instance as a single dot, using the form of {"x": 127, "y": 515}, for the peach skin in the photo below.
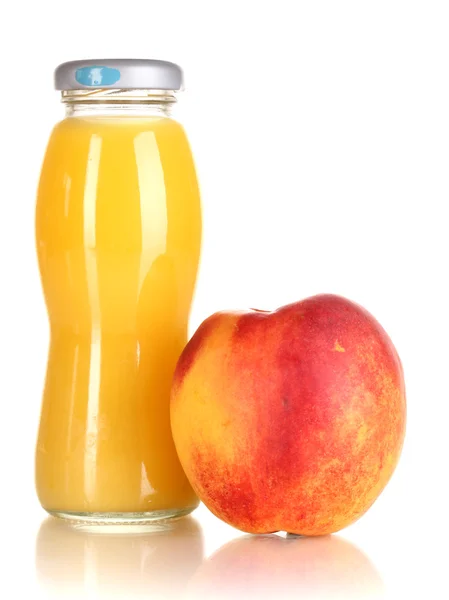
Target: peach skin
{"x": 289, "y": 420}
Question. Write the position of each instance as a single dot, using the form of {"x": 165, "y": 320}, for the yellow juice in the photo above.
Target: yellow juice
{"x": 118, "y": 230}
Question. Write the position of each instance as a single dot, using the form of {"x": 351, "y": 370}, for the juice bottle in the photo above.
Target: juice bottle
{"x": 118, "y": 230}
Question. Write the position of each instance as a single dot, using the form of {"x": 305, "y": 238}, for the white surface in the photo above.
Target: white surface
{"x": 321, "y": 135}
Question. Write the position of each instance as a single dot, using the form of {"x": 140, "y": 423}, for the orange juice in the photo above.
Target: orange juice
{"x": 118, "y": 228}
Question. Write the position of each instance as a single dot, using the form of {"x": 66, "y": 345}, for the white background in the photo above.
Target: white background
{"x": 321, "y": 136}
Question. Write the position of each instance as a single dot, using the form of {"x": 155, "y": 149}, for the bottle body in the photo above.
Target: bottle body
{"x": 118, "y": 229}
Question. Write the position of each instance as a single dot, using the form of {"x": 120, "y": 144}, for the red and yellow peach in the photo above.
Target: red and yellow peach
{"x": 289, "y": 420}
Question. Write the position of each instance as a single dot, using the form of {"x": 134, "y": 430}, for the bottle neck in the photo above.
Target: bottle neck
{"x": 117, "y": 102}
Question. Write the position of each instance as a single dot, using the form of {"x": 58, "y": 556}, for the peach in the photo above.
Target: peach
{"x": 289, "y": 420}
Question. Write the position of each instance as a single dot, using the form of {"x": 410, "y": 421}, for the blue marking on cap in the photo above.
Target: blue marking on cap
{"x": 97, "y": 76}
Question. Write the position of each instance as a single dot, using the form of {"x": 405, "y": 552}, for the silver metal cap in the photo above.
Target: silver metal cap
{"x": 121, "y": 73}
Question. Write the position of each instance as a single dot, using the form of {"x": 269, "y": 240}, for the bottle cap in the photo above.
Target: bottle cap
{"x": 121, "y": 73}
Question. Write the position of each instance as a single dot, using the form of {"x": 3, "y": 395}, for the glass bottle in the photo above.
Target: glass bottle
{"x": 118, "y": 231}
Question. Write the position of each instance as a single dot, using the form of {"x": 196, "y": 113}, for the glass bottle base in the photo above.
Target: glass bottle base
{"x": 103, "y": 519}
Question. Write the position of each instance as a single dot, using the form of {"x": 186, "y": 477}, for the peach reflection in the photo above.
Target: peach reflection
{"x": 272, "y": 566}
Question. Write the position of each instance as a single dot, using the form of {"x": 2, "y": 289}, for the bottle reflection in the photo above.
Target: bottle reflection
{"x": 155, "y": 565}
{"x": 293, "y": 567}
